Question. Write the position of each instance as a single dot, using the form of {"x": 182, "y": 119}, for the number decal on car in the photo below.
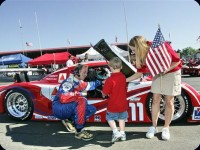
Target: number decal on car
{"x": 134, "y": 107}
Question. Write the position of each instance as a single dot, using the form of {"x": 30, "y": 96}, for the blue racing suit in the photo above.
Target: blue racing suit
{"x": 69, "y": 101}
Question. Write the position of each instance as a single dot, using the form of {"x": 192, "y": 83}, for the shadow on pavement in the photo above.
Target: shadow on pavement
{"x": 53, "y": 134}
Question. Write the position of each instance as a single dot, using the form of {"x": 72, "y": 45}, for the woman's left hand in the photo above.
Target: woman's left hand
{"x": 165, "y": 71}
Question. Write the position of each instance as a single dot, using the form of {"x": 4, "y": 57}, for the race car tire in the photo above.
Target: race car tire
{"x": 18, "y": 105}
{"x": 182, "y": 107}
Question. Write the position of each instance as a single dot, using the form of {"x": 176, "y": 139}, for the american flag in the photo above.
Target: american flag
{"x": 29, "y": 44}
{"x": 158, "y": 58}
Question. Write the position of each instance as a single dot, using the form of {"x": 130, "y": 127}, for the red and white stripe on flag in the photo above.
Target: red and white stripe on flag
{"x": 158, "y": 59}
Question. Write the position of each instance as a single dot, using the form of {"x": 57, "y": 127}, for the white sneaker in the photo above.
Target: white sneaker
{"x": 116, "y": 136}
{"x": 123, "y": 137}
{"x": 165, "y": 134}
{"x": 152, "y": 130}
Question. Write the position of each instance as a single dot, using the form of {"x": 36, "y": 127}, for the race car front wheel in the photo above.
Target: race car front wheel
{"x": 18, "y": 105}
{"x": 182, "y": 106}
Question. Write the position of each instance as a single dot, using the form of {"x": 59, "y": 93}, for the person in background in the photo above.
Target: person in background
{"x": 170, "y": 87}
{"x": 86, "y": 57}
{"x": 115, "y": 88}
{"x": 191, "y": 60}
{"x": 71, "y": 106}
{"x": 69, "y": 61}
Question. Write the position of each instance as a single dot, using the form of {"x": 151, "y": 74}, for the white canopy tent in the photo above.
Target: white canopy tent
{"x": 120, "y": 51}
{"x": 94, "y": 55}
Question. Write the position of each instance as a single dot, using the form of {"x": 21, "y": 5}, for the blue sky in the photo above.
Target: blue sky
{"x": 87, "y": 21}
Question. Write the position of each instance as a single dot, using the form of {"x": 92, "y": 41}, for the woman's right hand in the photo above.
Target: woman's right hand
{"x": 135, "y": 76}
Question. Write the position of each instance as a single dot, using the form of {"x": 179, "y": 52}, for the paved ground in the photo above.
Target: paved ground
{"x": 52, "y": 136}
{"x": 33, "y": 135}
{"x": 193, "y": 81}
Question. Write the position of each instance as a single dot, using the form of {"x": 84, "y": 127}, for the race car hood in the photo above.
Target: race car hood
{"x": 109, "y": 52}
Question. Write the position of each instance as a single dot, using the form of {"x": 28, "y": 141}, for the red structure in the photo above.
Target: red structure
{"x": 73, "y": 50}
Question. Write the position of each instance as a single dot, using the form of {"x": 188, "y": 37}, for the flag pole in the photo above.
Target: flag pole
{"x": 68, "y": 41}
{"x": 116, "y": 39}
{"x": 21, "y": 32}
{"x": 159, "y": 26}
{"x": 36, "y": 21}
{"x": 126, "y": 32}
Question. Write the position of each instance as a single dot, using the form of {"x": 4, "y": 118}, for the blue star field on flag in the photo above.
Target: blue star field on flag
{"x": 158, "y": 39}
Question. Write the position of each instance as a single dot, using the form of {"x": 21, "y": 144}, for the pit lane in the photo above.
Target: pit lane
{"x": 35, "y": 135}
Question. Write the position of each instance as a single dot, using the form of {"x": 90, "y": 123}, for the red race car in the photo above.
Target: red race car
{"x": 33, "y": 100}
{"x": 193, "y": 69}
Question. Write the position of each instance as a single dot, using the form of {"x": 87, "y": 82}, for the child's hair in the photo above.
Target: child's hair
{"x": 115, "y": 63}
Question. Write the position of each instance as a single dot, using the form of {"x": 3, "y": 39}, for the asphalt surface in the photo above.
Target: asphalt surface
{"x": 35, "y": 135}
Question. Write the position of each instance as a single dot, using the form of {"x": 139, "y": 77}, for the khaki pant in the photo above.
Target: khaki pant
{"x": 168, "y": 84}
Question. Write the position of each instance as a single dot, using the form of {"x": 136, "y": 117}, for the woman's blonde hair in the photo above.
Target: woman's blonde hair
{"x": 141, "y": 49}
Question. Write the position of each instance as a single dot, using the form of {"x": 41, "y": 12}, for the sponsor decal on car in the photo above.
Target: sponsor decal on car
{"x": 196, "y": 113}
{"x": 97, "y": 118}
{"x": 62, "y": 76}
{"x": 52, "y": 77}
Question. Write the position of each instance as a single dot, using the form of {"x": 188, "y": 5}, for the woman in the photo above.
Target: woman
{"x": 168, "y": 83}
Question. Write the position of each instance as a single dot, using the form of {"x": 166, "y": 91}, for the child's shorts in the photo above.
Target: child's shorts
{"x": 116, "y": 116}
